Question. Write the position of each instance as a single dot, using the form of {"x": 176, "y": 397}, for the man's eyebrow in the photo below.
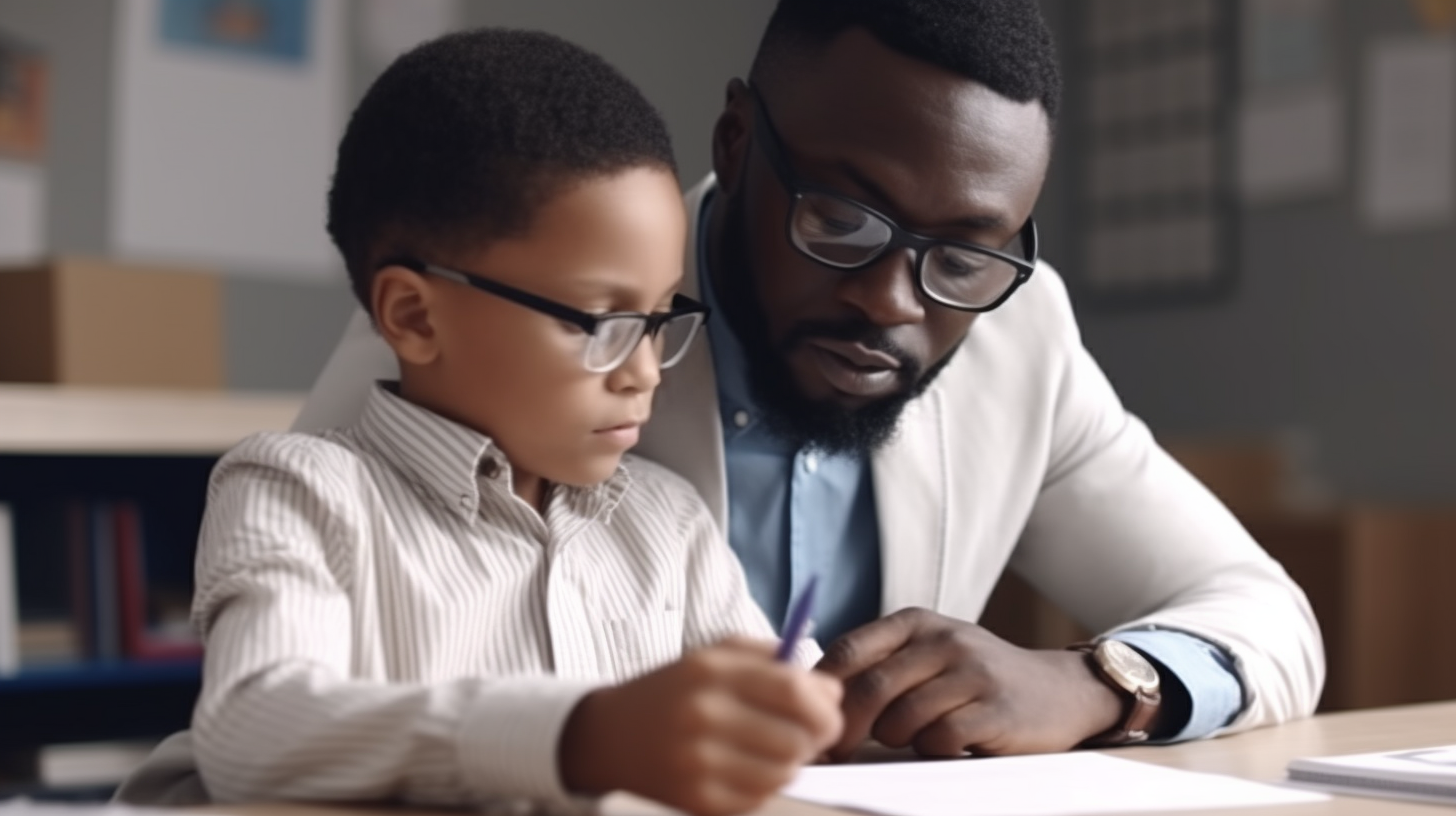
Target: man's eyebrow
{"x": 974, "y": 223}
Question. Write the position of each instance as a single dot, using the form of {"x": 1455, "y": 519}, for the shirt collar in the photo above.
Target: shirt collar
{"x": 452, "y": 463}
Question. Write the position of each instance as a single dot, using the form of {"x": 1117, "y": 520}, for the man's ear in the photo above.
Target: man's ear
{"x": 731, "y": 136}
{"x": 402, "y": 300}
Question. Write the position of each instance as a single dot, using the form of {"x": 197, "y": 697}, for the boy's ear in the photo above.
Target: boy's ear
{"x": 731, "y": 136}
{"x": 402, "y": 301}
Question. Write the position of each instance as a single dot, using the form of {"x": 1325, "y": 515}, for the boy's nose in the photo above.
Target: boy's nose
{"x": 641, "y": 371}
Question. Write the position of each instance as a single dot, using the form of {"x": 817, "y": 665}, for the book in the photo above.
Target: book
{"x": 9, "y": 599}
{"x": 105, "y": 584}
{"x": 1427, "y": 774}
{"x": 48, "y": 632}
{"x": 155, "y": 616}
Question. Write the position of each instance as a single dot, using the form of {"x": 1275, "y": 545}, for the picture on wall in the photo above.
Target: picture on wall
{"x": 275, "y": 30}
{"x": 23, "y": 81}
{"x": 1153, "y": 182}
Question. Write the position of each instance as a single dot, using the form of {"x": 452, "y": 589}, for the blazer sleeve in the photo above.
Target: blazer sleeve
{"x": 1122, "y": 537}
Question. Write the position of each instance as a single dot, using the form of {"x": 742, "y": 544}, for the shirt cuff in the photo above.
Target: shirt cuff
{"x": 508, "y": 740}
{"x": 1195, "y": 670}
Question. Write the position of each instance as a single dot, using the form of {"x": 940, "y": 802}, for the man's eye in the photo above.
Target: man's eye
{"x": 961, "y": 264}
{"x": 837, "y": 221}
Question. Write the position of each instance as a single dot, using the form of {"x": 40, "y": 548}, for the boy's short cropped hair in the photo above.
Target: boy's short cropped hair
{"x": 461, "y": 140}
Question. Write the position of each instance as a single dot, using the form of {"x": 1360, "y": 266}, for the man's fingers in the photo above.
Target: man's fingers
{"x": 976, "y": 728}
{"x": 915, "y": 710}
{"x": 868, "y": 693}
{"x": 861, "y": 648}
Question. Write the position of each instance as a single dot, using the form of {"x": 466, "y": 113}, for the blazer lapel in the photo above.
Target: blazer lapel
{"x": 910, "y": 475}
{"x": 685, "y": 433}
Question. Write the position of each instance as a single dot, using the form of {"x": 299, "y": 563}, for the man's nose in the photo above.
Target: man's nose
{"x": 885, "y": 291}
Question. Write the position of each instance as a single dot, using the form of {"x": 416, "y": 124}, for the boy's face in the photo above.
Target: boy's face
{"x": 609, "y": 244}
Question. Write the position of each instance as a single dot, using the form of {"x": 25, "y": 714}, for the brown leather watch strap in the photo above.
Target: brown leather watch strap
{"x": 1140, "y": 705}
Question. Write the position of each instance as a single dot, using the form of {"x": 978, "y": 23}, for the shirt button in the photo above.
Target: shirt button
{"x": 466, "y": 503}
{"x": 740, "y": 418}
{"x": 811, "y": 462}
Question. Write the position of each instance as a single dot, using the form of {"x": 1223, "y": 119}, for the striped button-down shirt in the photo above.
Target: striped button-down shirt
{"x": 384, "y": 618}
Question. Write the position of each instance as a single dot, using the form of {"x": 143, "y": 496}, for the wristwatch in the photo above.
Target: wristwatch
{"x": 1133, "y": 677}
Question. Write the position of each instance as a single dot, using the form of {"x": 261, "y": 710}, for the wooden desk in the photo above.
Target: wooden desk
{"x": 1260, "y": 755}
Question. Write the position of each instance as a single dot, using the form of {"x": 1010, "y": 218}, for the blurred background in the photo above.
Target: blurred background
{"x": 1253, "y": 203}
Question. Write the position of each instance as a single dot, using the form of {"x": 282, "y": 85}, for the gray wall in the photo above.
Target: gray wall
{"x": 280, "y": 331}
{"x": 1335, "y": 332}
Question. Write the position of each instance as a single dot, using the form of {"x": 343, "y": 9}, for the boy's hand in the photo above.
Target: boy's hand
{"x": 716, "y": 733}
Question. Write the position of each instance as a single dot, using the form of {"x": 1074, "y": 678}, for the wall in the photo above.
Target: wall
{"x": 279, "y": 328}
{"x": 1334, "y": 332}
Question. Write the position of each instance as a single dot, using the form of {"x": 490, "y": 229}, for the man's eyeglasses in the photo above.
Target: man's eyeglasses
{"x": 844, "y": 234}
{"x": 611, "y": 337}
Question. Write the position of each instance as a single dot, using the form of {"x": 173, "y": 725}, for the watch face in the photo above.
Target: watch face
{"x": 1125, "y": 665}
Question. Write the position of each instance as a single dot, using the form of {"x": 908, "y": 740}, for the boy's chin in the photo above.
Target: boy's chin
{"x": 590, "y": 474}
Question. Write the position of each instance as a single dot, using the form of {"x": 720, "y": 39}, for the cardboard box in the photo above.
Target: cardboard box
{"x": 83, "y": 321}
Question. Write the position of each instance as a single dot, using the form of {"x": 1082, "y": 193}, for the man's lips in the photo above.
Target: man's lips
{"x": 856, "y": 354}
{"x": 854, "y": 370}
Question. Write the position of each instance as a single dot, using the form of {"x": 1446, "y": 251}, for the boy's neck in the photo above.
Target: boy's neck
{"x": 530, "y": 489}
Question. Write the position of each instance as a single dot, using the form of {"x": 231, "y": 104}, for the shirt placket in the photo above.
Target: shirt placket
{"x": 573, "y": 647}
{"x": 802, "y": 555}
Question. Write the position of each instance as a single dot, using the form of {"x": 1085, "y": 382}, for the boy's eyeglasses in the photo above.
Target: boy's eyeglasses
{"x": 844, "y": 234}
{"x": 612, "y": 337}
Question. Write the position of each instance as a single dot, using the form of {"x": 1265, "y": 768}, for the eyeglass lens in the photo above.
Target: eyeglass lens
{"x": 617, "y": 337}
{"x": 838, "y": 233}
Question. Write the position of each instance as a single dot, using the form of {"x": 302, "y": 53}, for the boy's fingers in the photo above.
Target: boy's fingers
{"x": 771, "y": 738}
{"x": 748, "y": 645}
{"x": 808, "y": 699}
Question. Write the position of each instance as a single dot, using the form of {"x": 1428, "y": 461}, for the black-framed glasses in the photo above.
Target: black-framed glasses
{"x": 611, "y": 337}
{"x": 844, "y": 234}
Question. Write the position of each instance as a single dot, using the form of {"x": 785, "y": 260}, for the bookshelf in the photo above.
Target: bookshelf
{"x": 154, "y": 447}
{"x": 47, "y": 419}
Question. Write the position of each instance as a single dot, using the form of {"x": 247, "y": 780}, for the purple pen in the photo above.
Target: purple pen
{"x": 798, "y": 622}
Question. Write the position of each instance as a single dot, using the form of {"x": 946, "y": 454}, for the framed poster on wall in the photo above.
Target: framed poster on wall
{"x": 1152, "y": 110}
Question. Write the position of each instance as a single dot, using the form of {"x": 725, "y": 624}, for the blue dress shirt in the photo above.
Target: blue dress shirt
{"x": 796, "y": 512}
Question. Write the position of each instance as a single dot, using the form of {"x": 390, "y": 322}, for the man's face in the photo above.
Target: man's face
{"x": 834, "y": 356}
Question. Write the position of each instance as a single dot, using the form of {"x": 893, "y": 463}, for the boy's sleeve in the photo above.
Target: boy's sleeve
{"x": 719, "y": 603}
{"x": 281, "y": 715}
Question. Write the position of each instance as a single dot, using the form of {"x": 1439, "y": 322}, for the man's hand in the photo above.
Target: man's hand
{"x": 946, "y": 686}
{"x": 716, "y": 733}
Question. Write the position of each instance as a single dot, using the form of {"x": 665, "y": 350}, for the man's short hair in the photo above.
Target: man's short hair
{"x": 462, "y": 140}
{"x": 1002, "y": 44}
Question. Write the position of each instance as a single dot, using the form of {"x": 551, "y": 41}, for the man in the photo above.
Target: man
{"x": 895, "y": 398}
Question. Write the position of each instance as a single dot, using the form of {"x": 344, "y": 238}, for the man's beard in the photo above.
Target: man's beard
{"x": 802, "y": 422}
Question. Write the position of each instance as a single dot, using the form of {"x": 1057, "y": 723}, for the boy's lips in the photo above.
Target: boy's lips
{"x": 624, "y": 433}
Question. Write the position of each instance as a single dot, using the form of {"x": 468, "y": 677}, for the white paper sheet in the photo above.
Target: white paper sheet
{"x": 1409, "y": 168}
{"x": 1075, "y": 783}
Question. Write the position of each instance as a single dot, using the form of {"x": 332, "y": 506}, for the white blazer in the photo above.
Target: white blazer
{"x": 1020, "y": 454}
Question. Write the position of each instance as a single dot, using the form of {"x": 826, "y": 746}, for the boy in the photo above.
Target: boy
{"x": 468, "y": 595}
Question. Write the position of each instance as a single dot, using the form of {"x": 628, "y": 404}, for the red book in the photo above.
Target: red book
{"x": 141, "y": 639}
